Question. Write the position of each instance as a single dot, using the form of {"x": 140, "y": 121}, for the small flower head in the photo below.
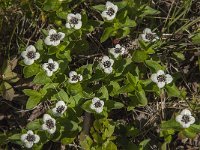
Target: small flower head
{"x": 74, "y": 21}
{"x": 54, "y": 38}
{"x": 60, "y": 108}
{"x": 106, "y": 64}
{"x": 117, "y": 51}
{"x": 185, "y": 118}
{"x": 160, "y": 78}
{"x": 148, "y": 35}
{"x": 29, "y": 139}
{"x": 97, "y": 105}
{"x": 49, "y": 124}
{"x": 74, "y": 77}
{"x": 30, "y": 55}
{"x": 50, "y": 67}
{"x": 110, "y": 12}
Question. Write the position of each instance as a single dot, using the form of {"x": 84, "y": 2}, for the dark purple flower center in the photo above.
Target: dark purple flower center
{"x": 161, "y": 78}
{"x": 185, "y": 119}
{"x": 51, "y": 66}
{"x": 50, "y": 124}
{"x": 60, "y": 109}
{"x": 31, "y": 54}
{"x": 55, "y": 37}
{"x": 30, "y": 138}
{"x": 75, "y": 78}
{"x": 73, "y": 20}
{"x": 107, "y": 64}
{"x": 110, "y": 12}
{"x": 149, "y": 36}
{"x": 98, "y": 104}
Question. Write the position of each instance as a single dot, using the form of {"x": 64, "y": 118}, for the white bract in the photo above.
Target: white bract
{"x": 97, "y": 105}
{"x": 30, "y": 55}
{"x": 160, "y": 78}
{"x": 74, "y": 21}
{"x": 185, "y": 118}
{"x": 54, "y": 38}
{"x": 106, "y": 64}
{"x": 49, "y": 124}
{"x": 60, "y": 108}
{"x": 50, "y": 67}
{"x": 148, "y": 35}
{"x": 74, "y": 77}
{"x": 110, "y": 12}
{"x": 117, "y": 51}
{"x": 29, "y": 139}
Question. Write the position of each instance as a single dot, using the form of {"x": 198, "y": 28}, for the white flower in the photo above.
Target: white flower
{"x": 30, "y": 55}
{"x": 54, "y": 38}
{"x": 74, "y": 21}
{"x": 50, "y": 67}
{"x": 117, "y": 51}
{"x": 60, "y": 108}
{"x": 148, "y": 35}
{"x": 160, "y": 78}
{"x": 110, "y": 12}
{"x": 29, "y": 139}
{"x": 49, "y": 124}
{"x": 97, "y": 105}
{"x": 74, "y": 77}
{"x": 185, "y": 118}
{"x": 106, "y": 64}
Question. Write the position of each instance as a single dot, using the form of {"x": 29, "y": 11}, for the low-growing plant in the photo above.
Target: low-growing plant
{"x": 86, "y": 87}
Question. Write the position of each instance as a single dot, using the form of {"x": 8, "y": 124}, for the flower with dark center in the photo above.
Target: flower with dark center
{"x": 117, "y": 51}
{"x": 148, "y": 35}
{"x": 54, "y": 38}
{"x": 74, "y": 77}
{"x": 49, "y": 124}
{"x": 185, "y": 118}
{"x": 97, "y": 105}
{"x": 74, "y": 21}
{"x": 30, "y": 55}
{"x": 160, "y": 78}
{"x": 50, "y": 67}
{"x": 106, "y": 64}
{"x": 29, "y": 139}
{"x": 110, "y": 12}
{"x": 60, "y": 108}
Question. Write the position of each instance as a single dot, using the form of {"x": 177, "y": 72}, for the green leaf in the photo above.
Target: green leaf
{"x": 106, "y": 34}
{"x": 143, "y": 144}
{"x": 172, "y": 91}
{"x": 41, "y": 78}
{"x": 99, "y": 7}
{"x": 153, "y": 65}
{"x": 196, "y": 38}
{"x": 113, "y": 104}
{"x": 39, "y": 45}
{"x": 62, "y": 95}
{"x": 51, "y": 5}
{"x": 104, "y": 93}
{"x": 66, "y": 141}
{"x": 31, "y": 70}
{"x": 34, "y": 125}
{"x": 179, "y": 55}
{"x": 188, "y": 133}
{"x": 133, "y": 80}
{"x": 15, "y": 137}
{"x": 8, "y": 91}
{"x": 170, "y": 124}
{"x": 141, "y": 96}
{"x": 139, "y": 56}
{"x": 126, "y": 89}
{"x": 86, "y": 106}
